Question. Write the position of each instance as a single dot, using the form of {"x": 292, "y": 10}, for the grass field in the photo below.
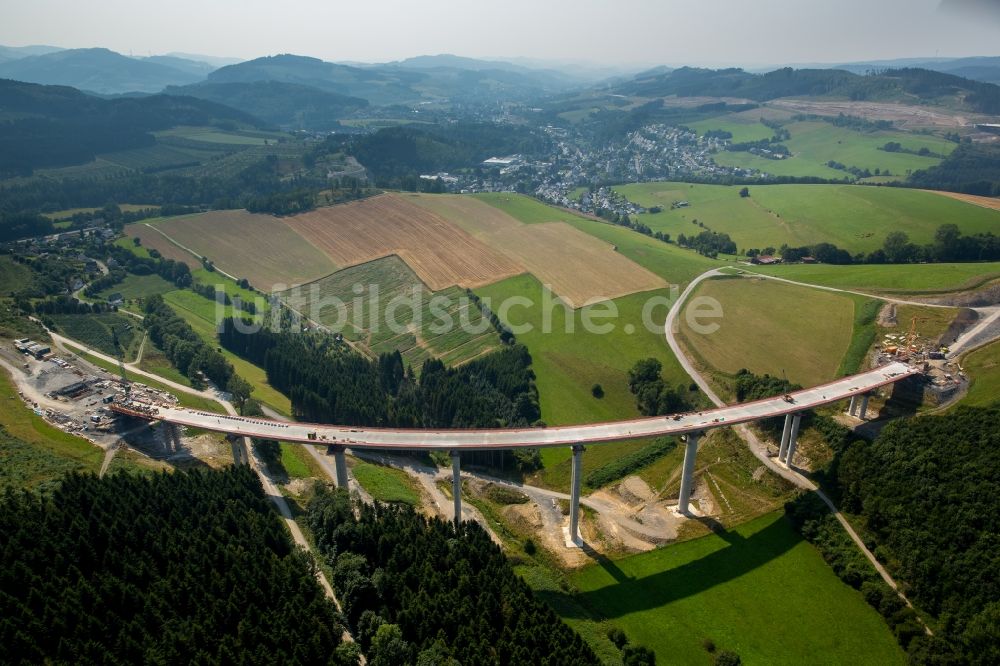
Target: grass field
{"x": 568, "y": 364}
{"x": 135, "y": 287}
{"x": 70, "y": 212}
{"x": 897, "y": 278}
{"x": 578, "y": 267}
{"x": 34, "y": 454}
{"x": 94, "y": 331}
{"x": 260, "y": 248}
{"x": 814, "y": 143}
{"x": 774, "y": 328}
{"x": 365, "y": 317}
{"x": 758, "y": 589}
{"x": 200, "y": 314}
{"x": 212, "y": 135}
{"x": 13, "y": 276}
{"x": 856, "y": 218}
{"x": 743, "y": 126}
{"x": 152, "y": 239}
{"x": 983, "y": 368}
{"x": 386, "y": 484}
{"x": 441, "y": 254}
{"x": 157, "y": 157}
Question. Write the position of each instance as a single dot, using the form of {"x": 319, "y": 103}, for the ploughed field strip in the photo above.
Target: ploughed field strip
{"x": 359, "y": 302}
{"x": 260, "y": 248}
{"x": 578, "y": 267}
{"x": 440, "y": 253}
{"x": 986, "y": 202}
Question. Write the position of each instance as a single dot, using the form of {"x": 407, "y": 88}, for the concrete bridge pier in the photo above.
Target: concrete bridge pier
{"x": 793, "y": 439}
{"x": 339, "y": 464}
{"x": 456, "y": 485}
{"x": 785, "y": 433}
{"x": 853, "y": 406}
{"x": 864, "y": 406}
{"x": 687, "y": 473}
{"x": 574, "y": 502}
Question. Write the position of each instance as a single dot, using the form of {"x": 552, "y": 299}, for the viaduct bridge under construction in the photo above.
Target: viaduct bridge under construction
{"x": 690, "y": 426}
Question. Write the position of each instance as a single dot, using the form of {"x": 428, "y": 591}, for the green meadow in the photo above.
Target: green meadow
{"x": 759, "y": 590}
{"x": 853, "y": 217}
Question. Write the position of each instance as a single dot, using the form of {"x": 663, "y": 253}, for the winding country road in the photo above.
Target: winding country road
{"x": 757, "y": 447}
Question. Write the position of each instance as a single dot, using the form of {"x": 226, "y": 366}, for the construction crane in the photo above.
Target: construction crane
{"x": 120, "y": 355}
{"x": 911, "y": 337}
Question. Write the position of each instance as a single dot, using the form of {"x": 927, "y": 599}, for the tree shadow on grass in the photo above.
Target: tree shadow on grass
{"x": 740, "y": 556}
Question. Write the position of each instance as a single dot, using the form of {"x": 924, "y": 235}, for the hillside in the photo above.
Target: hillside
{"x": 98, "y": 70}
{"x": 909, "y": 84}
{"x": 279, "y": 103}
{"x": 58, "y": 125}
{"x": 394, "y": 83}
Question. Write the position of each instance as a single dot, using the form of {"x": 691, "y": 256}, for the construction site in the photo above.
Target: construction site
{"x": 919, "y": 346}
{"x": 77, "y": 397}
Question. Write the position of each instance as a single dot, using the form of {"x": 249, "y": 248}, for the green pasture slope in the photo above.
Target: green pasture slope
{"x": 814, "y": 143}
{"x": 897, "y": 278}
{"x": 758, "y": 589}
{"x": 983, "y": 367}
{"x": 854, "y": 217}
{"x": 13, "y": 276}
{"x": 202, "y": 315}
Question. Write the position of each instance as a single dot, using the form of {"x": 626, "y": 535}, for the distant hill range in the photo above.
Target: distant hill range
{"x": 104, "y": 72}
{"x": 899, "y": 85}
{"x": 418, "y": 79}
{"x": 50, "y": 126}
{"x": 979, "y": 68}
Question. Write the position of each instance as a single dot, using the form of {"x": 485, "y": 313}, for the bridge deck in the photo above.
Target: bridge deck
{"x": 507, "y": 438}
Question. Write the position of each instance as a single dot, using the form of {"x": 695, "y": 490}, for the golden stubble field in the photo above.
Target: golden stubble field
{"x": 440, "y": 253}
{"x": 578, "y": 267}
{"x": 260, "y": 248}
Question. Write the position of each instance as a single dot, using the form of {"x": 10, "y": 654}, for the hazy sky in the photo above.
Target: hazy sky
{"x": 609, "y": 31}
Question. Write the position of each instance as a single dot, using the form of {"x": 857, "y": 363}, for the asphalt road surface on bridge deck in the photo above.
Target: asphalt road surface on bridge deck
{"x": 508, "y": 438}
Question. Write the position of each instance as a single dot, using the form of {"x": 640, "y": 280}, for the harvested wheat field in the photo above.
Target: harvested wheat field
{"x": 985, "y": 202}
{"x": 440, "y": 253}
{"x": 154, "y": 240}
{"x": 577, "y": 266}
{"x": 260, "y": 248}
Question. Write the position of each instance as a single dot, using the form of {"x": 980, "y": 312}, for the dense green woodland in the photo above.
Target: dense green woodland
{"x": 393, "y": 153}
{"x": 329, "y": 383}
{"x": 928, "y": 492}
{"x": 181, "y": 568}
{"x": 929, "y": 489}
{"x": 418, "y": 590}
